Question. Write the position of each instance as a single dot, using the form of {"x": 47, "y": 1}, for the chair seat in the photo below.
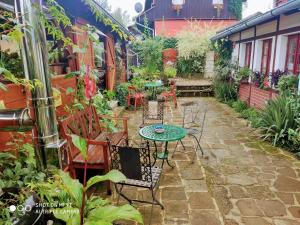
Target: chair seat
{"x": 156, "y": 172}
{"x": 192, "y": 131}
{"x": 95, "y": 152}
{"x": 95, "y": 155}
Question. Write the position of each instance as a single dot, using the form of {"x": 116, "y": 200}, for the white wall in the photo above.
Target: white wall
{"x": 280, "y": 57}
{"x": 242, "y": 54}
{"x": 235, "y": 53}
{"x": 257, "y": 56}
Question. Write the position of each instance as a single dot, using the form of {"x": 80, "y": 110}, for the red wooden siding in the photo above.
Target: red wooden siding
{"x": 254, "y": 96}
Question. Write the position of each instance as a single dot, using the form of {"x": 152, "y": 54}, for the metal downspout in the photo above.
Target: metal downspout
{"x": 35, "y": 60}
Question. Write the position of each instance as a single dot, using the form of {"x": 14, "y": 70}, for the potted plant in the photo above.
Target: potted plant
{"x": 169, "y": 72}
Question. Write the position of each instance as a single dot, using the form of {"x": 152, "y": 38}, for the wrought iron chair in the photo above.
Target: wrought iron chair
{"x": 194, "y": 116}
{"x": 135, "y": 164}
{"x": 133, "y": 93}
{"x": 150, "y": 118}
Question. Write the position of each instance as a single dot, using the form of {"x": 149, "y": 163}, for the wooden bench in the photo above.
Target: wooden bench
{"x": 88, "y": 124}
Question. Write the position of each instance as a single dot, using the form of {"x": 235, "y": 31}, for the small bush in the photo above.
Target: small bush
{"x": 224, "y": 92}
{"x": 288, "y": 84}
{"x": 239, "y": 106}
{"x": 277, "y": 119}
{"x": 121, "y": 93}
{"x": 169, "y": 43}
{"x": 252, "y": 115}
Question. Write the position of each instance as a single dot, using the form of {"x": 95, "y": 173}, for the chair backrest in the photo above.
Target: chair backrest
{"x": 133, "y": 162}
{"x": 158, "y": 117}
{"x": 83, "y": 123}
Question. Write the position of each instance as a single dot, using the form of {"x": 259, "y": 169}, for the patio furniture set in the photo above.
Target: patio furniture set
{"x": 138, "y": 96}
{"x": 111, "y": 150}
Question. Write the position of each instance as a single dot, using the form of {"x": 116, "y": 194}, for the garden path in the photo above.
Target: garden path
{"x": 240, "y": 179}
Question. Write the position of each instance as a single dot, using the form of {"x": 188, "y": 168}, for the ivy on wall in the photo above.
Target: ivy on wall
{"x": 236, "y": 8}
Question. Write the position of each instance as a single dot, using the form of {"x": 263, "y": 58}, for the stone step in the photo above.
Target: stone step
{"x": 196, "y": 93}
{"x": 193, "y": 87}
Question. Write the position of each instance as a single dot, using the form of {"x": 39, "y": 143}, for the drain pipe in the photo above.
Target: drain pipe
{"x": 35, "y": 61}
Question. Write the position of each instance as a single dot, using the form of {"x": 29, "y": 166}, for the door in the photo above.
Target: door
{"x": 293, "y": 54}
{"x": 110, "y": 62}
{"x": 266, "y": 56}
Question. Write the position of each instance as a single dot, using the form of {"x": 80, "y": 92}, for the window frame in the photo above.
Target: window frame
{"x": 269, "y": 42}
{"x": 296, "y": 69}
{"x": 248, "y": 53}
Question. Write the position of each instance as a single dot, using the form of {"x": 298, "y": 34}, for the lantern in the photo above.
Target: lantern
{"x": 178, "y": 5}
{"x": 218, "y": 5}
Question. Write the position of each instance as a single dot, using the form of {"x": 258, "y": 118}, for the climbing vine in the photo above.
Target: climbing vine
{"x": 105, "y": 20}
{"x": 236, "y": 8}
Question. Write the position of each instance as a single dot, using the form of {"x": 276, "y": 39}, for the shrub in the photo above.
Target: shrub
{"x": 121, "y": 93}
{"x": 288, "y": 84}
{"x": 169, "y": 43}
{"x": 277, "y": 118}
{"x": 224, "y": 92}
{"x": 239, "y": 106}
{"x": 252, "y": 115}
{"x": 170, "y": 72}
{"x": 193, "y": 65}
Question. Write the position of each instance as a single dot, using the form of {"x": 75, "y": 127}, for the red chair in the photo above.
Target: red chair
{"x": 170, "y": 94}
{"x": 137, "y": 96}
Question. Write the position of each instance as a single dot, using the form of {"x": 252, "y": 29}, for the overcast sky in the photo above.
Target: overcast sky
{"x": 253, "y": 6}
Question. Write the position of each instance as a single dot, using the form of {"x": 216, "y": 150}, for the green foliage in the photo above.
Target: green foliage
{"x": 170, "y": 72}
{"x": 252, "y": 115}
{"x": 194, "y": 65}
{"x": 236, "y": 8}
{"x": 288, "y": 84}
{"x": 242, "y": 74}
{"x": 170, "y": 43}
{"x": 12, "y": 62}
{"x": 122, "y": 93}
{"x": 278, "y": 117}
{"x": 224, "y": 91}
{"x": 83, "y": 209}
{"x": 18, "y": 170}
{"x": 239, "y": 106}
{"x": 223, "y": 49}
{"x": 105, "y": 20}
{"x": 150, "y": 53}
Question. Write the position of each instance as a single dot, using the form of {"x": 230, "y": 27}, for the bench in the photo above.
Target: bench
{"x": 89, "y": 125}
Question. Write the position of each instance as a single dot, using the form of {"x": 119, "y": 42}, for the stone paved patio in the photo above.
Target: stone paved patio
{"x": 240, "y": 179}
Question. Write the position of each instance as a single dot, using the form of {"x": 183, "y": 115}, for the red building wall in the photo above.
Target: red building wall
{"x": 170, "y": 28}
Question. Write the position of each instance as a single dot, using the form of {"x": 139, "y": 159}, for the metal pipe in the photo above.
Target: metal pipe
{"x": 15, "y": 119}
{"x": 35, "y": 60}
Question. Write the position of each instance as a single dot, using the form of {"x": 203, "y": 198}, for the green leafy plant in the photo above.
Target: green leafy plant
{"x": 150, "y": 53}
{"x": 224, "y": 91}
{"x": 252, "y": 115}
{"x": 236, "y": 8}
{"x": 239, "y": 106}
{"x": 277, "y": 118}
{"x": 80, "y": 208}
{"x": 170, "y": 72}
{"x": 18, "y": 169}
{"x": 288, "y": 84}
{"x": 170, "y": 43}
{"x": 122, "y": 93}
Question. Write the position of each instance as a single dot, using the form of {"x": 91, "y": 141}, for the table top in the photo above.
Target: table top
{"x": 171, "y": 133}
{"x": 153, "y": 84}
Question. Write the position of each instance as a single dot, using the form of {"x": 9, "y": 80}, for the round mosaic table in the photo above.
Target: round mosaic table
{"x": 171, "y": 133}
{"x": 153, "y": 86}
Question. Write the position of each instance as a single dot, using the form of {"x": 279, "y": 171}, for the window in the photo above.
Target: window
{"x": 266, "y": 56}
{"x": 292, "y": 63}
{"x": 248, "y": 54}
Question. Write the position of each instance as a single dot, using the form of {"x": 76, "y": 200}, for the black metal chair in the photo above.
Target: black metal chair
{"x": 194, "y": 116}
{"x": 150, "y": 118}
{"x": 135, "y": 164}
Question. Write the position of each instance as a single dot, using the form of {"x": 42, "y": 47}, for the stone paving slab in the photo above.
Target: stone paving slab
{"x": 240, "y": 179}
